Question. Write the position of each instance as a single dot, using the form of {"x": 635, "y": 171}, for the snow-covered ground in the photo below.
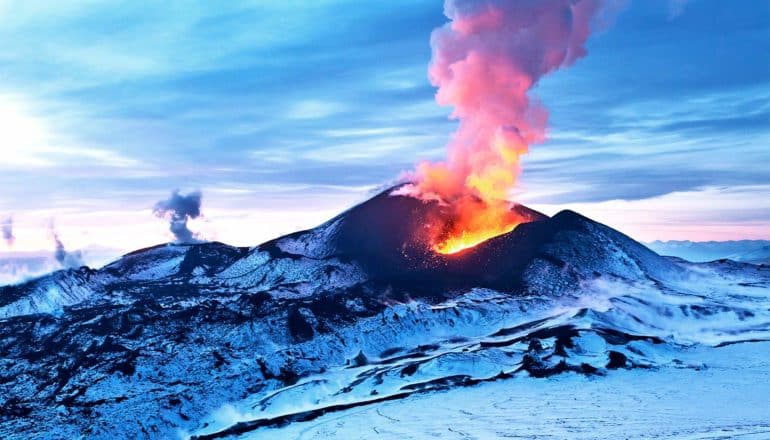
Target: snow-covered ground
{"x": 562, "y": 328}
{"x": 729, "y": 397}
{"x": 685, "y": 350}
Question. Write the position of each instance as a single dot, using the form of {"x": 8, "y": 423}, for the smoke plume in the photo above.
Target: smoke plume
{"x": 66, "y": 259}
{"x": 7, "y": 228}
{"x": 178, "y": 209}
{"x": 485, "y": 62}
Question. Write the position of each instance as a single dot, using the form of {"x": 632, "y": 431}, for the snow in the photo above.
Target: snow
{"x": 726, "y": 399}
{"x": 50, "y": 294}
{"x": 298, "y": 277}
{"x": 587, "y": 334}
{"x": 313, "y": 243}
{"x": 407, "y": 346}
{"x": 483, "y": 333}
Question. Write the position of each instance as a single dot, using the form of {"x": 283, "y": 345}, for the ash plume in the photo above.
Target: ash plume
{"x": 7, "y": 229}
{"x": 485, "y": 62}
{"x": 178, "y": 210}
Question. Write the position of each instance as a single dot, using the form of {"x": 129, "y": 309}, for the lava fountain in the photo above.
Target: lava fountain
{"x": 485, "y": 61}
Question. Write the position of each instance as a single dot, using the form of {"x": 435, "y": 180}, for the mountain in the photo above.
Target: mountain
{"x": 748, "y": 251}
{"x": 215, "y": 341}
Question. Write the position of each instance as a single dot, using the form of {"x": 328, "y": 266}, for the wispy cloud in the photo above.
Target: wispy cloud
{"x": 313, "y": 109}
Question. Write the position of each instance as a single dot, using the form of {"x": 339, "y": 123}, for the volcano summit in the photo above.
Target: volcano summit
{"x": 215, "y": 341}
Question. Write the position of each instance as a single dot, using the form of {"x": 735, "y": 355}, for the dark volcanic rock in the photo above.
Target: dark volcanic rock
{"x": 617, "y": 360}
{"x": 387, "y": 237}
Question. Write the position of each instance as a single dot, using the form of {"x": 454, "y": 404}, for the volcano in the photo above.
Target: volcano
{"x": 388, "y": 240}
{"x": 358, "y": 311}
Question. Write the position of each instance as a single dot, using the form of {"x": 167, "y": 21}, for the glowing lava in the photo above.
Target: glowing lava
{"x": 466, "y": 240}
{"x": 474, "y": 221}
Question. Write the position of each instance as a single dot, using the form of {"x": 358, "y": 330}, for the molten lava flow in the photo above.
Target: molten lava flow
{"x": 459, "y": 241}
{"x": 473, "y": 221}
{"x": 485, "y": 61}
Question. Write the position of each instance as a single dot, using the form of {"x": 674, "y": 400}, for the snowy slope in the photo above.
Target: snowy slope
{"x": 49, "y": 294}
{"x": 727, "y": 399}
{"x": 484, "y": 338}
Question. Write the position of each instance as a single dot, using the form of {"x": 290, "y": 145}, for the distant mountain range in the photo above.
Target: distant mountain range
{"x": 16, "y": 267}
{"x": 747, "y": 251}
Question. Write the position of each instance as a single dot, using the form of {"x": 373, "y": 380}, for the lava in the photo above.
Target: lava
{"x": 467, "y": 239}
{"x": 485, "y": 61}
{"x": 473, "y": 221}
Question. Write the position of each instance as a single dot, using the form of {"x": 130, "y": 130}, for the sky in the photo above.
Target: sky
{"x": 285, "y": 113}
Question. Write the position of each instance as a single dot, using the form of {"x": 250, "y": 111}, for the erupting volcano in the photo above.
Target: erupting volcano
{"x": 485, "y": 61}
{"x": 439, "y": 307}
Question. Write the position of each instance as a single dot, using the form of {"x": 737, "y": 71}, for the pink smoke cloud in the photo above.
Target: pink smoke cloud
{"x": 485, "y": 62}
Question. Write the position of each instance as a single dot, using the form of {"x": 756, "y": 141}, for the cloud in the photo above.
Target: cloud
{"x": 18, "y": 268}
{"x": 706, "y": 213}
{"x": 313, "y": 109}
{"x": 178, "y": 209}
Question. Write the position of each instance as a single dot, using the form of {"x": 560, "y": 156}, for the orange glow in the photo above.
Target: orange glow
{"x": 473, "y": 221}
{"x": 467, "y": 240}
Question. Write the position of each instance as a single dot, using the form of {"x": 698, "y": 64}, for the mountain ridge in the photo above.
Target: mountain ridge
{"x": 749, "y": 251}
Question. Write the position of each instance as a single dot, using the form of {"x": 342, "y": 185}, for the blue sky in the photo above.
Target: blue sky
{"x": 284, "y": 113}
